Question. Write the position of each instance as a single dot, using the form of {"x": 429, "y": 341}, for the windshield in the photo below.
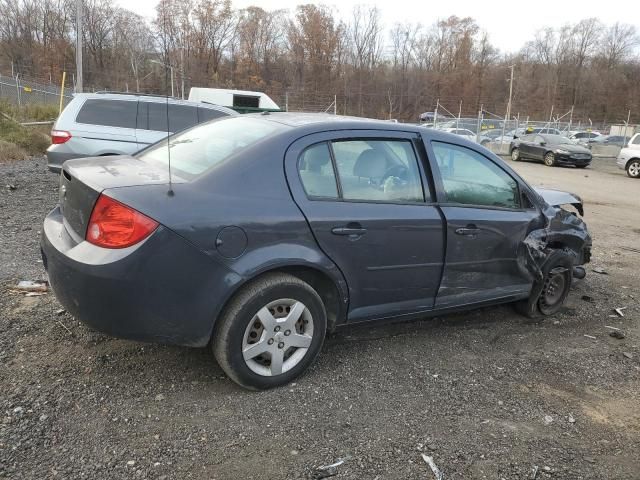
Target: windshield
{"x": 202, "y": 147}
{"x": 557, "y": 140}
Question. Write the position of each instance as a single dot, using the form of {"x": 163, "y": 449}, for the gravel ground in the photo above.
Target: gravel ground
{"x": 486, "y": 394}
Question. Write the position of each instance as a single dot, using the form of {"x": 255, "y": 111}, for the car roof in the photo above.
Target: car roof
{"x": 152, "y": 98}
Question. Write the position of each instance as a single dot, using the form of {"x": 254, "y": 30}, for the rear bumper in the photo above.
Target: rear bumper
{"x": 161, "y": 290}
{"x": 55, "y": 158}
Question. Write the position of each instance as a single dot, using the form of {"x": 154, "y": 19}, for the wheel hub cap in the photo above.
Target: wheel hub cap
{"x": 278, "y": 337}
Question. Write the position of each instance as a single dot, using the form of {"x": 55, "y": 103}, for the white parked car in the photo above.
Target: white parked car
{"x": 629, "y": 157}
{"x": 463, "y": 132}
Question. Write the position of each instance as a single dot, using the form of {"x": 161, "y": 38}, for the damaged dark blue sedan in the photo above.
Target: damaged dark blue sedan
{"x": 258, "y": 234}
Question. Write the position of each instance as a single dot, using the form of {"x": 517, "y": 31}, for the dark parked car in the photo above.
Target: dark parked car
{"x": 551, "y": 149}
{"x": 276, "y": 228}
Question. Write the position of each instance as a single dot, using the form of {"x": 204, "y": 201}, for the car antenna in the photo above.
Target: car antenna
{"x": 166, "y": 96}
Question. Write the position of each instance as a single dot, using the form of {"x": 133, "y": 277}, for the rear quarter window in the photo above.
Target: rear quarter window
{"x": 108, "y": 113}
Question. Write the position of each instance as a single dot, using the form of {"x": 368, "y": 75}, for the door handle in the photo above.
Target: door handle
{"x": 469, "y": 231}
{"x": 355, "y": 231}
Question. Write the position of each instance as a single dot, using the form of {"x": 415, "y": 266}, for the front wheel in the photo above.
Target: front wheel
{"x": 550, "y": 159}
{"x": 548, "y": 296}
{"x": 271, "y": 332}
{"x": 633, "y": 168}
{"x": 515, "y": 154}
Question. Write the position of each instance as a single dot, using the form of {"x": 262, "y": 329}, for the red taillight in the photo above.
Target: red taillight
{"x": 114, "y": 225}
{"x": 59, "y": 136}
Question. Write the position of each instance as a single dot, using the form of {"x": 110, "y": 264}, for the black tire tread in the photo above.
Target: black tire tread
{"x": 221, "y": 337}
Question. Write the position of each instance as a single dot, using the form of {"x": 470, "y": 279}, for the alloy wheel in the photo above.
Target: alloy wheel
{"x": 633, "y": 170}
{"x": 549, "y": 159}
{"x": 277, "y": 337}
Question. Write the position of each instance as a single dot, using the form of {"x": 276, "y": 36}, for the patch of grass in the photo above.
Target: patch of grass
{"x": 10, "y": 151}
{"x": 19, "y": 142}
{"x": 30, "y": 113}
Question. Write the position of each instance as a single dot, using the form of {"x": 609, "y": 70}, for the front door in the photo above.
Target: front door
{"x": 485, "y": 228}
{"x": 363, "y": 196}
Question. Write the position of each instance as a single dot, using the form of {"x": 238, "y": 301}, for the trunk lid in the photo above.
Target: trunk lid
{"x": 82, "y": 181}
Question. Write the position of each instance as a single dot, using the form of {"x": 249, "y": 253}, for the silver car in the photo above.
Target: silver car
{"x": 97, "y": 124}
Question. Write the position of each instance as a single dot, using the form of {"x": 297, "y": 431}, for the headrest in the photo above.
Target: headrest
{"x": 370, "y": 164}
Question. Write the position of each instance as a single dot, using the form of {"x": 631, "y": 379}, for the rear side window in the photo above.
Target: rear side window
{"x": 206, "y": 114}
{"x": 378, "y": 170}
{"x": 316, "y": 172}
{"x": 636, "y": 140}
{"x": 109, "y": 113}
{"x": 472, "y": 179}
{"x": 181, "y": 117}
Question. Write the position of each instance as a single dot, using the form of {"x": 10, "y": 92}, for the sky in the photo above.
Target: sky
{"x": 509, "y": 23}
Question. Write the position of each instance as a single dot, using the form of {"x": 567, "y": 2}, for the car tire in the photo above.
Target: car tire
{"x": 549, "y": 159}
{"x": 549, "y": 295}
{"x": 633, "y": 168}
{"x": 515, "y": 154}
{"x": 259, "y": 316}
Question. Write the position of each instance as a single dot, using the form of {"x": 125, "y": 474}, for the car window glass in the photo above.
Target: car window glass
{"x": 181, "y": 117}
{"x": 110, "y": 113}
{"x": 206, "y": 114}
{"x": 316, "y": 172}
{"x": 210, "y": 144}
{"x": 539, "y": 139}
{"x": 472, "y": 179}
{"x": 378, "y": 170}
{"x": 636, "y": 140}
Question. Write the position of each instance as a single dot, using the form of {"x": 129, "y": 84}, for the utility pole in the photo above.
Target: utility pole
{"x": 78, "y": 46}
{"x": 510, "y": 94}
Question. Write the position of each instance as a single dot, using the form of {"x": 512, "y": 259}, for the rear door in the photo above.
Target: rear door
{"x": 366, "y": 197}
{"x": 526, "y": 146}
{"x": 106, "y": 126}
{"x": 486, "y": 224}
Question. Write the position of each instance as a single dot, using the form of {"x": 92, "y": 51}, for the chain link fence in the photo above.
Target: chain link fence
{"x": 23, "y": 91}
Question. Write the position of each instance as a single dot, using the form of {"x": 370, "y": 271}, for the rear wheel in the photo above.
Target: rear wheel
{"x": 633, "y": 168}
{"x": 515, "y": 154}
{"x": 549, "y": 159}
{"x": 270, "y": 332}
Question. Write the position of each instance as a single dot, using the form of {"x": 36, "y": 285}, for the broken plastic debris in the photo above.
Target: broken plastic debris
{"x": 534, "y": 473}
{"x": 590, "y": 336}
{"x": 601, "y": 271}
{"x": 627, "y": 355}
{"x": 31, "y": 286}
{"x": 619, "y": 311}
{"x": 611, "y": 328}
{"x": 587, "y": 298}
{"x": 329, "y": 470}
{"x": 436, "y": 471}
{"x": 617, "y": 334}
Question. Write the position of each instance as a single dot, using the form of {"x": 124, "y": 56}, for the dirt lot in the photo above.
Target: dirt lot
{"x": 486, "y": 394}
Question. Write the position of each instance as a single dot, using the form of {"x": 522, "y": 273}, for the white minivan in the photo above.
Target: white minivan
{"x": 98, "y": 124}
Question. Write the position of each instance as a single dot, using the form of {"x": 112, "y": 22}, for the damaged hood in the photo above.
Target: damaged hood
{"x": 556, "y": 198}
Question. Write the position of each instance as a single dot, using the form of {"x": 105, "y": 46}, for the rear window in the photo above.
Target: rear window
{"x": 109, "y": 113}
{"x": 206, "y": 114}
{"x": 207, "y": 145}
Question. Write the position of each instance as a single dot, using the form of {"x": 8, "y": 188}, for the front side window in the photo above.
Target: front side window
{"x": 378, "y": 170}
{"x": 109, "y": 113}
{"x": 316, "y": 172}
{"x": 472, "y": 179}
{"x": 636, "y": 140}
